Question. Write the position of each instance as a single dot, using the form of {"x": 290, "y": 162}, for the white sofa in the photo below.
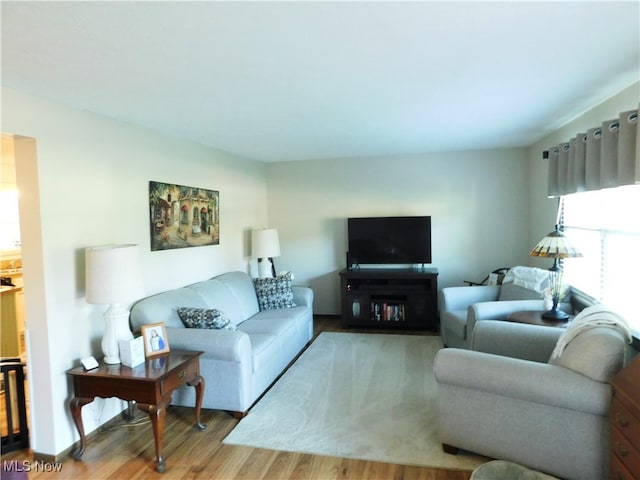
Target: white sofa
{"x": 237, "y": 365}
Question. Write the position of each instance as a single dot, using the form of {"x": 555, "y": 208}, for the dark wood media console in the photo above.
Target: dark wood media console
{"x": 390, "y": 298}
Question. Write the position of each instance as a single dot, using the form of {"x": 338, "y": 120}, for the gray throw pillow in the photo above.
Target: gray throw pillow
{"x": 205, "y": 318}
{"x": 274, "y": 292}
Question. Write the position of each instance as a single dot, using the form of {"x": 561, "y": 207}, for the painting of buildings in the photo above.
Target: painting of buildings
{"x": 183, "y": 216}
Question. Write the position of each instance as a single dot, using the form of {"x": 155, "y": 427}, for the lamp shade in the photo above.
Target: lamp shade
{"x": 555, "y": 245}
{"x": 265, "y": 243}
{"x": 113, "y": 274}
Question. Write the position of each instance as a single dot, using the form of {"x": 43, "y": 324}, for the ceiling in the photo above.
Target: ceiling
{"x": 312, "y": 80}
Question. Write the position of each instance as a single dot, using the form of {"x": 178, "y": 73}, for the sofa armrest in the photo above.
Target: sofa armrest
{"x": 302, "y": 296}
{"x": 516, "y": 340}
{"x": 224, "y": 345}
{"x": 459, "y": 298}
{"x": 522, "y": 380}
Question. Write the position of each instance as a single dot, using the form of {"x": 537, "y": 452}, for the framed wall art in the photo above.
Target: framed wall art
{"x": 155, "y": 339}
{"x": 182, "y": 216}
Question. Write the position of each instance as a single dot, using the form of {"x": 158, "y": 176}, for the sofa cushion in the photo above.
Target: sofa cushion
{"x": 597, "y": 353}
{"x": 162, "y": 307}
{"x": 243, "y": 291}
{"x": 277, "y": 322}
{"x": 205, "y": 318}
{"x": 275, "y": 292}
{"x": 264, "y": 348}
{"x": 218, "y": 295}
{"x": 278, "y": 327}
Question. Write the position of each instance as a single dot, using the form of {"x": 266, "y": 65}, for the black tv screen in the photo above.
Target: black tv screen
{"x": 389, "y": 240}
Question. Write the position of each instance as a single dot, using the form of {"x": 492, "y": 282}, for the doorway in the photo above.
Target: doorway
{"x": 14, "y": 423}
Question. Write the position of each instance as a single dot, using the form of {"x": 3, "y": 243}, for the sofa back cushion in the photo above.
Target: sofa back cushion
{"x": 217, "y": 295}
{"x": 241, "y": 287}
{"x": 232, "y": 293}
{"x": 163, "y": 307}
{"x": 597, "y": 353}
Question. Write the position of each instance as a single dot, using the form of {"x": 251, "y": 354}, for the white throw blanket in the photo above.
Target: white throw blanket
{"x": 592, "y": 317}
{"x": 530, "y": 278}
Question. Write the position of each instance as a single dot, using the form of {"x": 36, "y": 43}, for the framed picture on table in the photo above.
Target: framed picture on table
{"x": 155, "y": 339}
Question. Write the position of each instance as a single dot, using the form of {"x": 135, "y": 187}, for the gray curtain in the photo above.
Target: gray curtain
{"x": 603, "y": 157}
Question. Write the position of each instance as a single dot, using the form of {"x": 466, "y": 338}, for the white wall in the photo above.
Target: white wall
{"x": 91, "y": 175}
{"x": 543, "y": 210}
{"x": 477, "y": 200}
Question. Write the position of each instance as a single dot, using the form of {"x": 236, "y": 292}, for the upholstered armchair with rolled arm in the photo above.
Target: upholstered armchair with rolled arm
{"x": 462, "y": 307}
{"x": 534, "y": 395}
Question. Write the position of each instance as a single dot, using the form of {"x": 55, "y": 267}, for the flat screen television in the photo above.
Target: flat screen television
{"x": 389, "y": 240}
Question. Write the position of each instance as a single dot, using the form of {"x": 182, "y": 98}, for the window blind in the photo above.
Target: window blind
{"x": 605, "y": 226}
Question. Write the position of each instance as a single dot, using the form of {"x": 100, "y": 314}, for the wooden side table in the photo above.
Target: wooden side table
{"x": 150, "y": 385}
{"x": 625, "y": 423}
{"x": 534, "y": 317}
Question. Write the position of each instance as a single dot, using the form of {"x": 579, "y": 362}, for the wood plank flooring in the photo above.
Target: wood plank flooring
{"x": 127, "y": 452}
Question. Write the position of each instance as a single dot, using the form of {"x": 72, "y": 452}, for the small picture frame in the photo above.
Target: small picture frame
{"x": 155, "y": 339}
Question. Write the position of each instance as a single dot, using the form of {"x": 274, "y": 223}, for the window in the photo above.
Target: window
{"x": 605, "y": 226}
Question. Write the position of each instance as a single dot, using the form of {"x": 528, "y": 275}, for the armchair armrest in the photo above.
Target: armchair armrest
{"x": 224, "y": 345}
{"x": 515, "y": 340}
{"x": 502, "y": 309}
{"x": 523, "y": 380}
{"x": 302, "y": 296}
{"x": 459, "y": 298}
{"x": 498, "y": 310}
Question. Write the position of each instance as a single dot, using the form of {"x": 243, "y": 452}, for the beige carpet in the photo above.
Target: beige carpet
{"x": 364, "y": 396}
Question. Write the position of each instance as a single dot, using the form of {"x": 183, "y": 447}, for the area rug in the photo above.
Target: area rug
{"x": 353, "y": 395}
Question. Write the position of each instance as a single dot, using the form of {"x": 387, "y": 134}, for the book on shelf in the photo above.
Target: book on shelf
{"x": 387, "y": 312}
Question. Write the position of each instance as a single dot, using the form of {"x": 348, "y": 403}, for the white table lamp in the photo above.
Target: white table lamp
{"x": 264, "y": 246}
{"x": 113, "y": 276}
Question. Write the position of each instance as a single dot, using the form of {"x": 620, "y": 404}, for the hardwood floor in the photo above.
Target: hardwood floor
{"x": 127, "y": 451}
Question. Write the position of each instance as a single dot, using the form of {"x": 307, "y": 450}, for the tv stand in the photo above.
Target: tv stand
{"x": 403, "y": 298}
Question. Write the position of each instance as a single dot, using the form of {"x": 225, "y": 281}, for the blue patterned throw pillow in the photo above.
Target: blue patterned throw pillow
{"x": 205, "y": 318}
{"x": 274, "y": 292}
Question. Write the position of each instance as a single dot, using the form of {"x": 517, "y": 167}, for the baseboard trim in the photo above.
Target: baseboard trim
{"x": 66, "y": 453}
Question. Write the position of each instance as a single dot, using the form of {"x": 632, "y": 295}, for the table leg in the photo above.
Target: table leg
{"x": 198, "y": 384}
{"x": 157, "y": 414}
{"x": 75, "y": 406}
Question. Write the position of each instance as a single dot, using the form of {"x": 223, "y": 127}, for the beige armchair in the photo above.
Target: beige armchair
{"x": 552, "y": 416}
